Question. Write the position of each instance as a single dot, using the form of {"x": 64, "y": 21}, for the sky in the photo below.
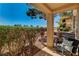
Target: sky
{"x": 15, "y": 13}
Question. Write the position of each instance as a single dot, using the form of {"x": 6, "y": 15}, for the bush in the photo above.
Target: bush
{"x": 14, "y": 38}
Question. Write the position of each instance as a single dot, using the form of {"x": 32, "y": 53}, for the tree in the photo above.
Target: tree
{"x": 67, "y": 13}
{"x": 17, "y": 25}
{"x": 26, "y": 26}
{"x": 62, "y": 22}
{"x": 35, "y": 13}
{"x": 37, "y": 26}
{"x": 31, "y": 26}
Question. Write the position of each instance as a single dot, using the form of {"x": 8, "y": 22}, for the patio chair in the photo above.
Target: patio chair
{"x": 75, "y": 47}
{"x": 65, "y": 45}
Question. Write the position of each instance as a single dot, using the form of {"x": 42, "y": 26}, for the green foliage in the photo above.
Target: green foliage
{"x": 61, "y": 23}
{"x": 67, "y": 13}
{"x": 16, "y": 35}
{"x": 35, "y": 13}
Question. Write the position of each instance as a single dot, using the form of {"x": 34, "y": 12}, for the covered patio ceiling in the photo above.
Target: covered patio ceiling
{"x": 54, "y": 7}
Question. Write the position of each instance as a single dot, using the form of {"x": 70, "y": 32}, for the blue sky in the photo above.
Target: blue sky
{"x": 15, "y": 13}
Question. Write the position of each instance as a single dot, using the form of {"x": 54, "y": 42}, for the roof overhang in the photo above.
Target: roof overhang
{"x": 54, "y": 7}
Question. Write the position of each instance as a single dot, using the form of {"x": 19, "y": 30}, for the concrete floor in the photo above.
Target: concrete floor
{"x": 44, "y": 50}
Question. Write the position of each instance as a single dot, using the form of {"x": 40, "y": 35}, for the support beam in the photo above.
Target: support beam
{"x": 47, "y": 9}
{"x": 65, "y": 8}
{"x": 42, "y": 7}
{"x": 50, "y": 30}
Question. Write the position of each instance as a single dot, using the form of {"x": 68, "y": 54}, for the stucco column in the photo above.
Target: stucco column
{"x": 50, "y": 30}
{"x": 77, "y": 24}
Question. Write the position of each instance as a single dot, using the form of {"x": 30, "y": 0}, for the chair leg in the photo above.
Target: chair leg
{"x": 74, "y": 50}
{"x": 78, "y": 51}
{"x": 62, "y": 49}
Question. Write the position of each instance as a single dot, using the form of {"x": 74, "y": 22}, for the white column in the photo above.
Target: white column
{"x": 74, "y": 20}
{"x": 50, "y": 30}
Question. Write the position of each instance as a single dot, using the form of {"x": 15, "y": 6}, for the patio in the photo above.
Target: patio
{"x": 53, "y": 8}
